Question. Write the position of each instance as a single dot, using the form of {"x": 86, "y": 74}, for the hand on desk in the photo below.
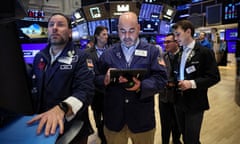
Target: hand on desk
{"x": 49, "y": 120}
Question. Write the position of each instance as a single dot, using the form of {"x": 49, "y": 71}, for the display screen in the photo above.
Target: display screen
{"x": 117, "y": 8}
{"x": 150, "y": 11}
{"x": 214, "y": 14}
{"x": 93, "y": 24}
{"x": 168, "y": 13}
{"x": 149, "y": 26}
{"x": 230, "y": 12}
{"x": 80, "y": 31}
{"x": 95, "y": 12}
{"x": 231, "y": 46}
{"x": 114, "y": 25}
{"x": 35, "y": 31}
{"x": 30, "y": 50}
{"x": 164, "y": 27}
{"x": 83, "y": 43}
{"x": 160, "y": 40}
{"x": 231, "y": 34}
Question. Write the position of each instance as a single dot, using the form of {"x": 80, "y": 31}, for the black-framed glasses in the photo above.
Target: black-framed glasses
{"x": 168, "y": 41}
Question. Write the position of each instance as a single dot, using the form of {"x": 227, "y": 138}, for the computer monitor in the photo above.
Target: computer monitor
{"x": 114, "y": 25}
{"x": 150, "y": 11}
{"x": 149, "y": 26}
{"x": 117, "y": 8}
{"x": 30, "y": 50}
{"x": 231, "y": 34}
{"x": 231, "y": 45}
{"x": 93, "y": 24}
{"x": 164, "y": 28}
{"x": 214, "y": 14}
{"x": 230, "y": 10}
{"x": 95, "y": 12}
{"x": 15, "y": 95}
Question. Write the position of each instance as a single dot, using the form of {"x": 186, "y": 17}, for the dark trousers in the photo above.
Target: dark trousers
{"x": 99, "y": 124}
{"x": 169, "y": 123}
{"x": 190, "y": 125}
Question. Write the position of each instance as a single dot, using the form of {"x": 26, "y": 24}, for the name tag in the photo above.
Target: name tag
{"x": 190, "y": 69}
{"x": 66, "y": 60}
{"x": 140, "y": 53}
{"x": 65, "y": 67}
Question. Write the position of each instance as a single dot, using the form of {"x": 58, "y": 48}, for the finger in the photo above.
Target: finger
{"x": 41, "y": 125}
{"x": 61, "y": 126}
{"x": 33, "y": 120}
{"x": 53, "y": 127}
{"x": 48, "y": 126}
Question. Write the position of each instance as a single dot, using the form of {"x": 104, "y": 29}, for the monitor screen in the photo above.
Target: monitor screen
{"x": 114, "y": 25}
{"x": 231, "y": 34}
{"x": 222, "y": 35}
{"x": 149, "y": 26}
{"x": 231, "y": 45}
{"x": 30, "y": 50}
{"x": 95, "y": 12}
{"x": 160, "y": 40}
{"x": 195, "y": 8}
{"x": 164, "y": 27}
{"x": 168, "y": 13}
{"x": 35, "y": 31}
{"x": 93, "y": 24}
{"x": 214, "y": 14}
{"x": 150, "y": 11}
{"x": 117, "y": 8}
{"x": 80, "y": 31}
{"x": 83, "y": 43}
{"x": 230, "y": 10}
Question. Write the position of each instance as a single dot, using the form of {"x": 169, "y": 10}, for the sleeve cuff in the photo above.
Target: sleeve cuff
{"x": 76, "y": 105}
{"x": 193, "y": 83}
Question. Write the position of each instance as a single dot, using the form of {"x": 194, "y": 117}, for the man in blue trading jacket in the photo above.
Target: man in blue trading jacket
{"x": 129, "y": 110}
{"x": 63, "y": 85}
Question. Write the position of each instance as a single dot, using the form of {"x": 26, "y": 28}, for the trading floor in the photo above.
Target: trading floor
{"x": 221, "y": 123}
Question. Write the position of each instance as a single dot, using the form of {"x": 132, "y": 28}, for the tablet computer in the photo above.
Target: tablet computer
{"x": 127, "y": 73}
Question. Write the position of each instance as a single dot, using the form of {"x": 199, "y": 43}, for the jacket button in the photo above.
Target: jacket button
{"x": 126, "y": 101}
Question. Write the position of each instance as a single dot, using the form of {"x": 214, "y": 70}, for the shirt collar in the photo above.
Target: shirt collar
{"x": 191, "y": 45}
{"x": 134, "y": 46}
{"x": 54, "y": 57}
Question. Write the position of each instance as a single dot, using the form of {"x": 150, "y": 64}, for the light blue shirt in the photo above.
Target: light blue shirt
{"x": 129, "y": 52}
{"x": 186, "y": 51}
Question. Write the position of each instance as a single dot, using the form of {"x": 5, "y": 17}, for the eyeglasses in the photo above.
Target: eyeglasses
{"x": 168, "y": 41}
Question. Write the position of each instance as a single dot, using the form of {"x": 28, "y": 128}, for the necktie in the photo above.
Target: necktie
{"x": 183, "y": 62}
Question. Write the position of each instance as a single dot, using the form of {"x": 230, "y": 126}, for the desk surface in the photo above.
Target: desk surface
{"x": 19, "y": 132}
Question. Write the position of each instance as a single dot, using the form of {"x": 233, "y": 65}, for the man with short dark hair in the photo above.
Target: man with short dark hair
{"x": 167, "y": 96}
{"x": 195, "y": 72}
{"x": 63, "y": 85}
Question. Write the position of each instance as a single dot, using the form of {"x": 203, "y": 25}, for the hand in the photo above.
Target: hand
{"x": 137, "y": 84}
{"x": 184, "y": 85}
{"x": 50, "y": 119}
{"x": 107, "y": 77}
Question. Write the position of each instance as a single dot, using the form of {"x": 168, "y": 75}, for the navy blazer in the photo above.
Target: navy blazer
{"x": 134, "y": 109}
{"x": 55, "y": 82}
{"x": 201, "y": 67}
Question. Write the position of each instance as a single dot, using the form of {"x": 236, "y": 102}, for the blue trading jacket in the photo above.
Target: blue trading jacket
{"x": 134, "y": 109}
{"x": 54, "y": 83}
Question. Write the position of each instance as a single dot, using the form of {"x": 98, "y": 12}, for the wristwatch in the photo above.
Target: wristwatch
{"x": 63, "y": 106}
